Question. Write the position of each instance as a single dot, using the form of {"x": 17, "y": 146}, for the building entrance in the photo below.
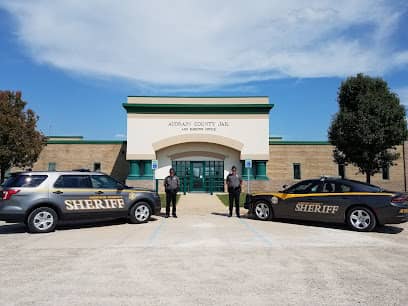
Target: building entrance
{"x": 200, "y": 176}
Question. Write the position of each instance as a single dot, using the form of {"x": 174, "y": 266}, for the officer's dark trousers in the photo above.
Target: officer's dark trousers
{"x": 171, "y": 197}
{"x": 234, "y": 196}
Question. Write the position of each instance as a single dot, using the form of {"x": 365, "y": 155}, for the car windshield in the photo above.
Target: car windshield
{"x": 24, "y": 180}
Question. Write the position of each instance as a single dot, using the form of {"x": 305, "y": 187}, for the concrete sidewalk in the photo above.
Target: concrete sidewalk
{"x": 200, "y": 204}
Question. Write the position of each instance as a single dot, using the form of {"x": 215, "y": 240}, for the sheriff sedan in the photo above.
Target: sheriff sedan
{"x": 362, "y": 206}
{"x": 42, "y": 199}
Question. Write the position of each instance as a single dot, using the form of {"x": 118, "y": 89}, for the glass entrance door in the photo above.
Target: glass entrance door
{"x": 204, "y": 176}
{"x": 197, "y": 176}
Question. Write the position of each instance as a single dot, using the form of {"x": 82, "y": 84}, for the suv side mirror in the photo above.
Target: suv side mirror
{"x": 119, "y": 186}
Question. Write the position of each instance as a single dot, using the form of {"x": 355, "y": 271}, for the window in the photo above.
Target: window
{"x": 343, "y": 188}
{"x": 105, "y": 181}
{"x": 24, "y": 181}
{"x": 304, "y": 187}
{"x": 364, "y": 187}
{"x": 296, "y": 172}
{"x": 73, "y": 181}
{"x": 329, "y": 187}
{"x": 97, "y": 167}
{"x": 52, "y": 166}
{"x": 342, "y": 170}
{"x": 386, "y": 172}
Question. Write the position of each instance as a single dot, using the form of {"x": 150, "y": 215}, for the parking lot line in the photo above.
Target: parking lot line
{"x": 155, "y": 233}
{"x": 257, "y": 234}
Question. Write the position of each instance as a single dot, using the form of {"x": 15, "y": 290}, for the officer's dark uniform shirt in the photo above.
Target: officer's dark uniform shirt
{"x": 233, "y": 181}
{"x": 172, "y": 183}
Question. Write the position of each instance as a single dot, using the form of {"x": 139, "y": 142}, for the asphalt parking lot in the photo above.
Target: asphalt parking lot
{"x": 204, "y": 258}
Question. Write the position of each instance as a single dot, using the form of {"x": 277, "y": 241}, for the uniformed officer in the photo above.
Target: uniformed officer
{"x": 171, "y": 186}
{"x": 234, "y": 185}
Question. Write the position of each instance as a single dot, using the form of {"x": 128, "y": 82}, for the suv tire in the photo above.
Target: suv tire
{"x": 42, "y": 220}
{"x": 140, "y": 213}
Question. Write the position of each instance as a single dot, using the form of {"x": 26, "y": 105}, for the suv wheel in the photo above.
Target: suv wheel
{"x": 361, "y": 219}
{"x": 140, "y": 213}
{"x": 42, "y": 220}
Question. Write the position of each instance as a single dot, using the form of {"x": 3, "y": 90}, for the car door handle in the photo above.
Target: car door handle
{"x": 99, "y": 192}
{"x": 58, "y": 192}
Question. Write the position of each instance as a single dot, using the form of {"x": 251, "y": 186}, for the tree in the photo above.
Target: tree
{"x": 369, "y": 125}
{"x": 20, "y": 142}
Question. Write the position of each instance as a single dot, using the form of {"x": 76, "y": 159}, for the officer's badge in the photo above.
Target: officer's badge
{"x": 132, "y": 195}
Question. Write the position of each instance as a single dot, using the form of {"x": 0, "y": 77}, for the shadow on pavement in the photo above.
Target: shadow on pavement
{"x": 226, "y": 215}
{"x": 19, "y": 228}
{"x": 12, "y": 228}
{"x": 387, "y": 229}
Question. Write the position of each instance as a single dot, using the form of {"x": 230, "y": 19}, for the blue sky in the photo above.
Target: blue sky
{"x": 77, "y": 61}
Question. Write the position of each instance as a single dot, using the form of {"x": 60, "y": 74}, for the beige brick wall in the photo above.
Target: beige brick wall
{"x": 73, "y": 156}
{"x": 317, "y": 160}
{"x": 149, "y": 184}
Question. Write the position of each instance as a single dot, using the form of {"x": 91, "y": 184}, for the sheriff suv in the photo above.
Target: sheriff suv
{"x": 42, "y": 199}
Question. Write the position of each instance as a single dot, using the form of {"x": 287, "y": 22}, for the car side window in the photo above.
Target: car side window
{"x": 73, "y": 181}
{"x": 329, "y": 187}
{"x": 343, "y": 188}
{"x": 104, "y": 181}
{"x": 304, "y": 187}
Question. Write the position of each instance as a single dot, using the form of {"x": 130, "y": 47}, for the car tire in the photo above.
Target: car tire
{"x": 361, "y": 219}
{"x": 42, "y": 220}
{"x": 140, "y": 213}
{"x": 262, "y": 211}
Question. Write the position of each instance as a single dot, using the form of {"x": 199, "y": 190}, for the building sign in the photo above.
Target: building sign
{"x": 198, "y": 126}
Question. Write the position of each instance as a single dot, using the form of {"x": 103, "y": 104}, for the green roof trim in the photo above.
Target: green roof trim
{"x": 198, "y": 108}
{"x": 296, "y": 142}
{"x": 86, "y": 141}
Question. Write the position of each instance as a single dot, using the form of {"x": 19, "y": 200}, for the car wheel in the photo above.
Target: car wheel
{"x": 361, "y": 219}
{"x": 263, "y": 211}
{"x": 140, "y": 213}
{"x": 42, "y": 220}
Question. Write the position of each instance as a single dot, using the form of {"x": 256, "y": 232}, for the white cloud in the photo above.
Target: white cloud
{"x": 210, "y": 43}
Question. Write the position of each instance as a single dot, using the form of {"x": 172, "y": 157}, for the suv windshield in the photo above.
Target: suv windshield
{"x": 24, "y": 180}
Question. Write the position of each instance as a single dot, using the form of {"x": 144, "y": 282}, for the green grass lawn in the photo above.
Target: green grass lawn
{"x": 224, "y": 198}
{"x": 163, "y": 199}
